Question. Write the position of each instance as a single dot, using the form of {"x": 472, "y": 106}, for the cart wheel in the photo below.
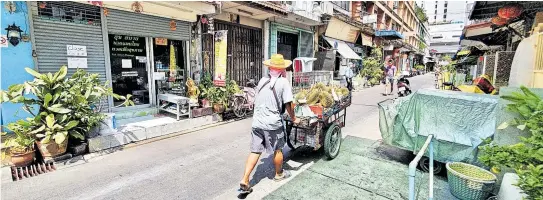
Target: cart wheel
{"x": 332, "y": 141}
{"x": 238, "y": 107}
{"x": 424, "y": 164}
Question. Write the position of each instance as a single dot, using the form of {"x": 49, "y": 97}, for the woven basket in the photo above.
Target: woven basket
{"x": 469, "y": 182}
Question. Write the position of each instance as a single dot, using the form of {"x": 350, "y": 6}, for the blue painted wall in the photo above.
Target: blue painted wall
{"x": 14, "y": 59}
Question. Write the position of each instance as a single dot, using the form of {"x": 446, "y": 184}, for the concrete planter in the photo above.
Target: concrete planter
{"x": 508, "y": 190}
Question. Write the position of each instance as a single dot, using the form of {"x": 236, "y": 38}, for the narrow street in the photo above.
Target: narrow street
{"x": 205, "y": 164}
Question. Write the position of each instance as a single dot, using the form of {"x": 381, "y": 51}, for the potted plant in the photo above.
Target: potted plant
{"x": 205, "y": 85}
{"x": 53, "y": 135}
{"x": 64, "y": 106}
{"x": 526, "y": 157}
{"x": 219, "y": 99}
{"x": 21, "y": 147}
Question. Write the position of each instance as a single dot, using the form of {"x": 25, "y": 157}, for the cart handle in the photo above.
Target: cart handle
{"x": 381, "y": 102}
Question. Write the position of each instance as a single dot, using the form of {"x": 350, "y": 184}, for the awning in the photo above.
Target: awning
{"x": 389, "y": 34}
{"x": 343, "y": 48}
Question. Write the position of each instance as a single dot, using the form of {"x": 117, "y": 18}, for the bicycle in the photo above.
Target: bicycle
{"x": 244, "y": 102}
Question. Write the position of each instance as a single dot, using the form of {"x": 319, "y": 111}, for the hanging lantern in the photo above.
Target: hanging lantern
{"x": 499, "y": 21}
{"x": 510, "y": 11}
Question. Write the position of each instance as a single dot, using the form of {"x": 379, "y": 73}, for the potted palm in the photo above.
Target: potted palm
{"x": 20, "y": 147}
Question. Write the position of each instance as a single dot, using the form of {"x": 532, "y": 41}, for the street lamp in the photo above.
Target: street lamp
{"x": 14, "y": 34}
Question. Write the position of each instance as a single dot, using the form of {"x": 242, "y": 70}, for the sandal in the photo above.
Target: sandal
{"x": 245, "y": 189}
{"x": 286, "y": 174}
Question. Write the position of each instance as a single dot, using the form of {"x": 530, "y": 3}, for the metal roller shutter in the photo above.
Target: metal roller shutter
{"x": 137, "y": 24}
{"x": 306, "y": 44}
{"x": 52, "y": 35}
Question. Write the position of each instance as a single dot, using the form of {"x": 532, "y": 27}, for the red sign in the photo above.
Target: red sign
{"x": 4, "y": 41}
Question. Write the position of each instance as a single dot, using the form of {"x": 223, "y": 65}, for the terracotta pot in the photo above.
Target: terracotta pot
{"x": 22, "y": 159}
{"x": 206, "y": 103}
{"x": 218, "y": 108}
{"x": 52, "y": 149}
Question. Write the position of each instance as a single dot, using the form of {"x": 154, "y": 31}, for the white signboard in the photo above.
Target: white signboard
{"x": 77, "y": 63}
{"x": 3, "y": 41}
{"x": 129, "y": 73}
{"x": 127, "y": 63}
{"x": 368, "y": 19}
{"x": 159, "y": 76}
{"x": 76, "y": 50}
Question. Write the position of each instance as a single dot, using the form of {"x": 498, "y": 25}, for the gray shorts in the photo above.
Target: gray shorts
{"x": 269, "y": 141}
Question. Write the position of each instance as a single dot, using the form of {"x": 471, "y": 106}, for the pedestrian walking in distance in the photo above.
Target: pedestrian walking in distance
{"x": 268, "y": 131}
{"x": 390, "y": 71}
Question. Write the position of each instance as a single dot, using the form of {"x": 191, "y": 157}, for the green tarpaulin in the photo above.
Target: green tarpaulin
{"x": 459, "y": 121}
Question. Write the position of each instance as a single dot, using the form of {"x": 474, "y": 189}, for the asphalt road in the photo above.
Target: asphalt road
{"x": 199, "y": 165}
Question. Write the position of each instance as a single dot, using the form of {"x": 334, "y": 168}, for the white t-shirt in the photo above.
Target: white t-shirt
{"x": 266, "y": 114}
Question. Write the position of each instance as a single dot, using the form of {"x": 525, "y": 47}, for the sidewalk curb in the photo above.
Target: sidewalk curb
{"x": 83, "y": 159}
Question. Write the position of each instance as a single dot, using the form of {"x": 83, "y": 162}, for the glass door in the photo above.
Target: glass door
{"x": 129, "y": 68}
{"x": 169, "y": 66}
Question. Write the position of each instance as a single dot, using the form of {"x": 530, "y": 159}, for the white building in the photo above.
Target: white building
{"x": 445, "y": 38}
{"x": 446, "y": 11}
{"x": 446, "y": 23}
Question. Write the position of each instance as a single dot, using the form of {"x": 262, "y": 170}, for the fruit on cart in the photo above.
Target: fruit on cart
{"x": 321, "y": 94}
{"x": 302, "y": 95}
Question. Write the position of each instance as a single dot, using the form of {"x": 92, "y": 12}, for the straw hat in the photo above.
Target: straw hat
{"x": 278, "y": 62}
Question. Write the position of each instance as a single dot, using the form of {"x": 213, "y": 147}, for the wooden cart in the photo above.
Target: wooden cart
{"x": 317, "y": 132}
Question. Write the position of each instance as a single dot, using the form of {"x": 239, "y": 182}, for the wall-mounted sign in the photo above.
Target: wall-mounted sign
{"x": 220, "y": 39}
{"x": 126, "y": 63}
{"x": 77, "y": 63}
{"x": 76, "y": 50}
{"x": 3, "y": 41}
{"x": 161, "y": 41}
{"x": 129, "y": 73}
{"x": 368, "y": 19}
{"x": 340, "y": 30}
{"x": 124, "y": 46}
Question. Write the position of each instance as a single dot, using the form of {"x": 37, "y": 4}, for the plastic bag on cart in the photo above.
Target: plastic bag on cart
{"x": 459, "y": 122}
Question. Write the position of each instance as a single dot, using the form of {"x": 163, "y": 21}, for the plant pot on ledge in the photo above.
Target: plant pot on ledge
{"x": 22, "y": 159}
{"x": 52, "y": 149}
{"x": 218, "y": 108}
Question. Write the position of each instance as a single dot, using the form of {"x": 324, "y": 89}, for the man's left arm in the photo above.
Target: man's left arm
{"x": 287, "y": 98}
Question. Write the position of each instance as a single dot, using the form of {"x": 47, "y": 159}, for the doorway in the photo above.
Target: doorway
{"x": 170, "y": 69}
{"x": 287, "y": 45}
{"x": 129, "y": 68}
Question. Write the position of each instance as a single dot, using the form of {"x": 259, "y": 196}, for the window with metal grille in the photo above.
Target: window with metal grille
{"x": 342, "y": 4}
{"x": 68, "y": 12}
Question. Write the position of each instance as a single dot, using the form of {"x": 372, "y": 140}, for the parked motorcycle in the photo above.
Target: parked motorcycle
{"x": 404, "y": 88}
{"x": 243, "y": 103}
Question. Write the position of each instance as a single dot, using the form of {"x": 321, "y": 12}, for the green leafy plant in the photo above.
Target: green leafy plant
{"x": 421, "y": 14}
{"x": 373, "y": 66}
{"x": 525, "y": 157}
{"x": 23, "y": 141}
{"x": 65, "y": 104}
{"x": 205, "y": 85}
{"x": 86, "y": 97}
{"x": 419, "y": 67}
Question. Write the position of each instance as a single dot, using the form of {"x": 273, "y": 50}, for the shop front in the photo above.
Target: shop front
{"x": 148, "y": 56}
{"x": 291, "y": 42}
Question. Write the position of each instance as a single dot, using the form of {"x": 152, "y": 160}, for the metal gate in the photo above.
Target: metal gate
{"x": 58, "y": 24}
{"x": 244, "y": 60}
